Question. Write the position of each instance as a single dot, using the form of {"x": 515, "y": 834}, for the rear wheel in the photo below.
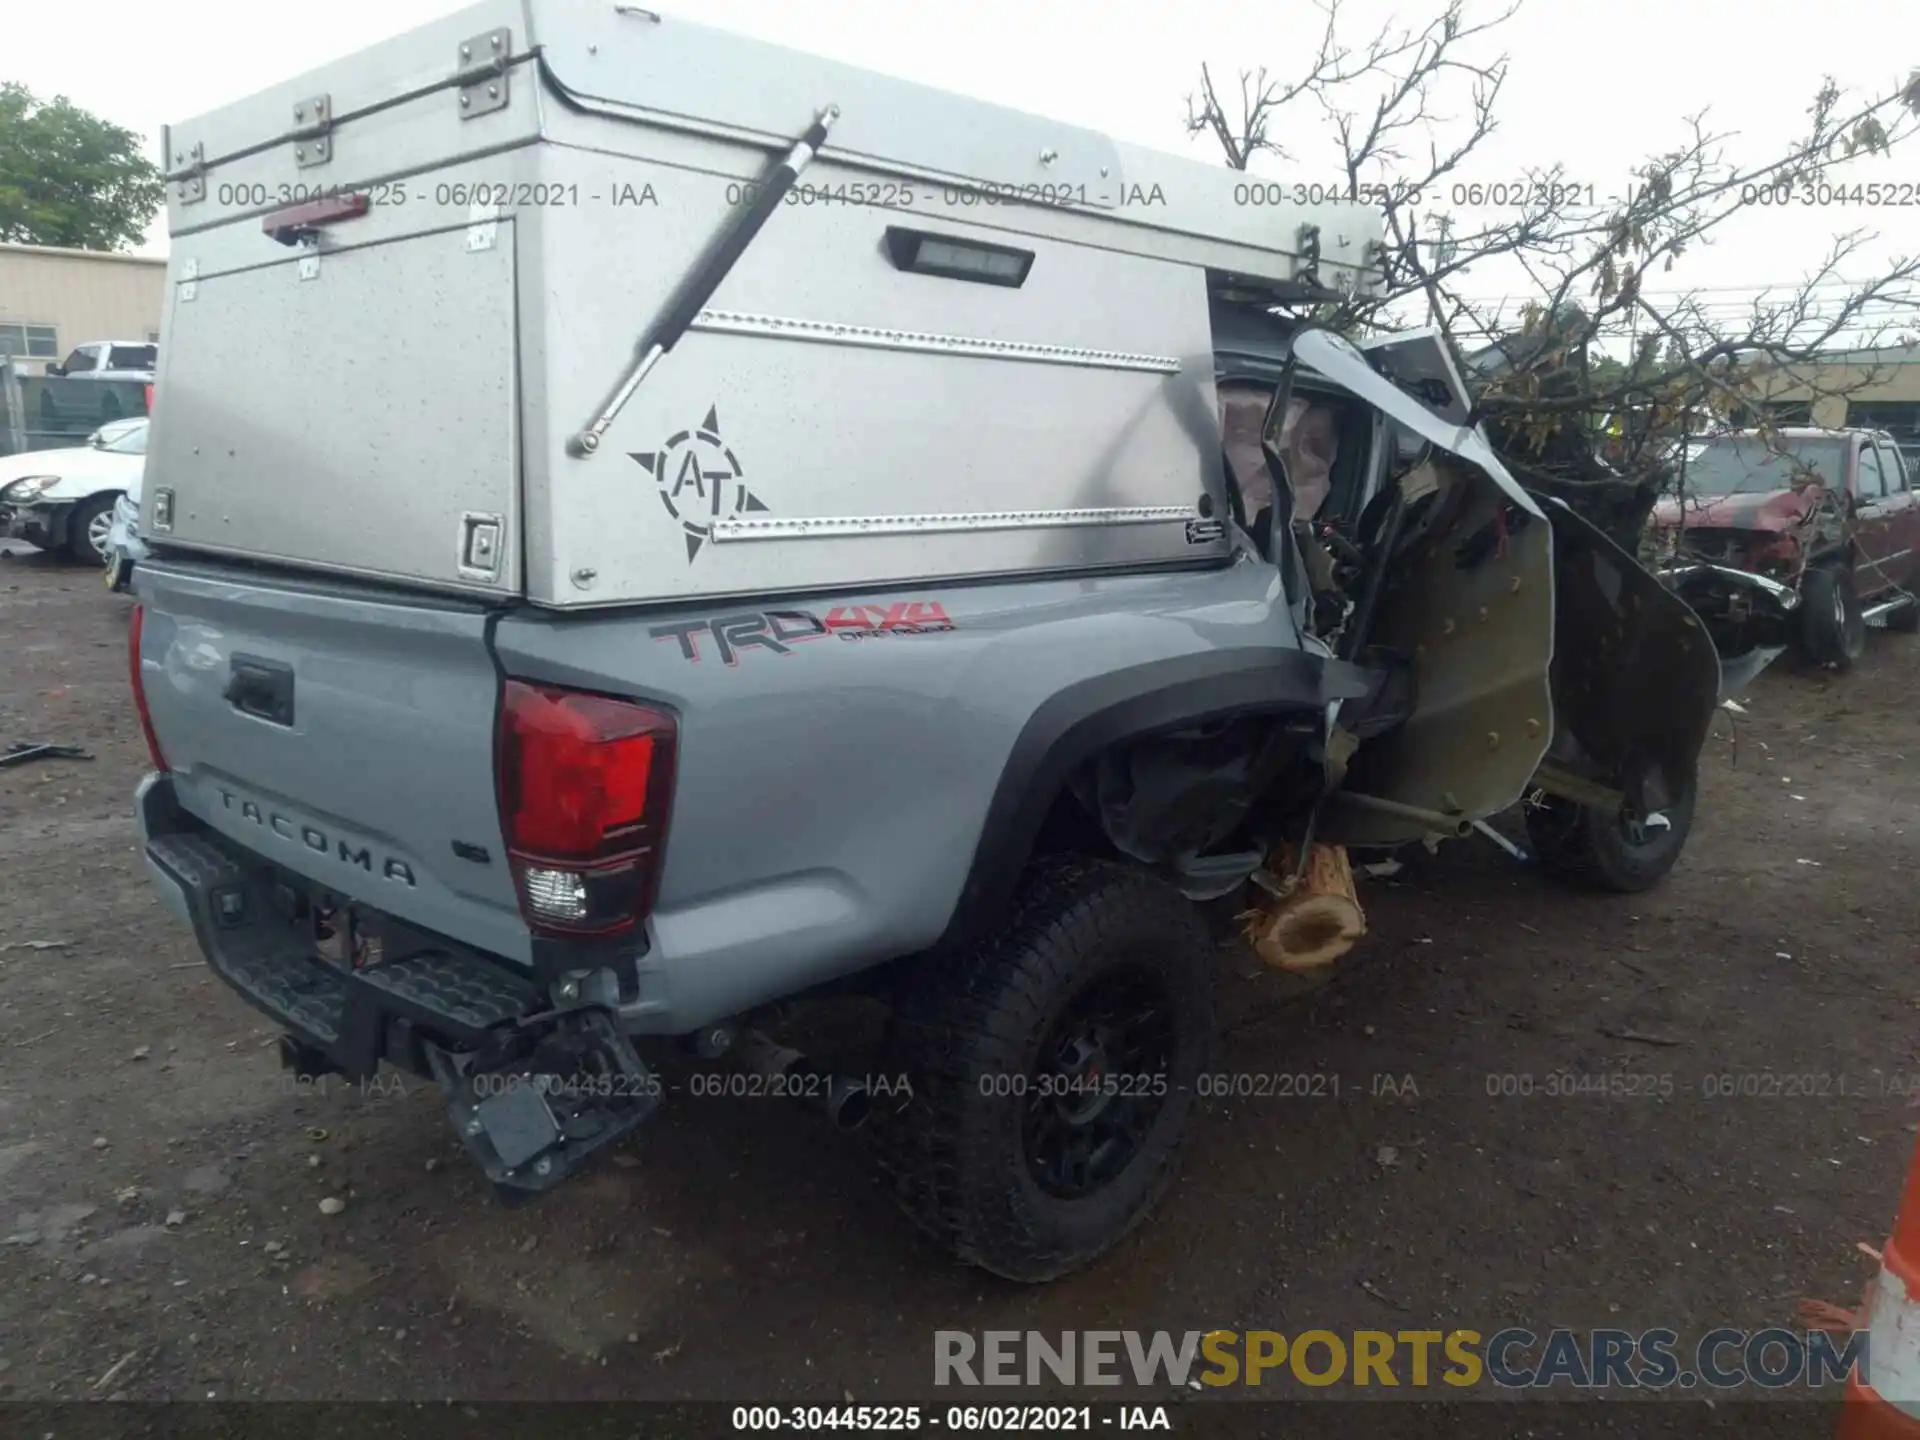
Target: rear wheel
{"x": 1833, "y": 631}
{"x": 1052, "y": 1070}
{"x": 1587, "y": 846}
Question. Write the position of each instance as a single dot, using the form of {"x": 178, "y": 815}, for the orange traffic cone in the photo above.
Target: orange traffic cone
{"x": 1889, "y": 1407}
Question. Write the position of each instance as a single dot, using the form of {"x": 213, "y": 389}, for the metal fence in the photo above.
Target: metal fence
{"x": 48, "y": 412}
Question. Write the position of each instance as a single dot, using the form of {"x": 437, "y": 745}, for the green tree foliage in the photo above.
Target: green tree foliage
{"x": 67, "y": 177}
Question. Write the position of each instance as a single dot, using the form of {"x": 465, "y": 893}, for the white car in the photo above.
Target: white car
{"x": 63, "y": 500}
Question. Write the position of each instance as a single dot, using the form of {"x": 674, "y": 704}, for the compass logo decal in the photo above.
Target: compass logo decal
{"x": 700, "y": 481}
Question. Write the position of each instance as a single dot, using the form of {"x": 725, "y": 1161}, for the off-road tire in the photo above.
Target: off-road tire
{"x": 1584, "y": 846}
{"x": 1833, "y": 630}
{"x": 80, "y": 524}
{"x": 955, "y": 1155}
{"x": 1906, "y": 619}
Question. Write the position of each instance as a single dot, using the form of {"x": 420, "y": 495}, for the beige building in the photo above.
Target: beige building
{"x": 52, "y": 300}
{"x": 1867, "y": 389}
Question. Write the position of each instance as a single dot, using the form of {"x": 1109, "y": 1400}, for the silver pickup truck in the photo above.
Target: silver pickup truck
{"x": 649, "y": 526}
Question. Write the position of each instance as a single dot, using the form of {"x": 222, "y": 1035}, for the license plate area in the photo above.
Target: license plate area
{"x": 543, "y": 1097}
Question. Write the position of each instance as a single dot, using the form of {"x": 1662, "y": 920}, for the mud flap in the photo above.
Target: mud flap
{"x": 1635, "y": 674}
{"x": 534, "y": 1105}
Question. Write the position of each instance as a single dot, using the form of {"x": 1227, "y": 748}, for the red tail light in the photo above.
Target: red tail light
{"x": 586, "y": 783}
{"x": 149, "y": 392}
{"x": 134, "y": 627}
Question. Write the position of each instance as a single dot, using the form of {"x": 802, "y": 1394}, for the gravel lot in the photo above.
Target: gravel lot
{"x": 160, "y": 1182}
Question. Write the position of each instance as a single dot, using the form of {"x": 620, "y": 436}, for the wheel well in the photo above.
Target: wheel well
{"x": 1069, "y": 828}
{"x": 112, "y": 498}
{"x": 1035, "y": 796}
{"x": 80, "y": 508}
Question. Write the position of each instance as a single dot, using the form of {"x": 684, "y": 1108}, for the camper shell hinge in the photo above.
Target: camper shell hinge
{"x": 312, "y": 131}
{"x": 480, "y": 72}
{"x": 189, "y": 175}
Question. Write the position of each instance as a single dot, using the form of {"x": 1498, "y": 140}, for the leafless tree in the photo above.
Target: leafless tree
{"x": 1592, "y": 354}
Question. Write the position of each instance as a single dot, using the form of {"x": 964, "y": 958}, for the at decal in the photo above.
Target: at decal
{"x": 700, "y": 480}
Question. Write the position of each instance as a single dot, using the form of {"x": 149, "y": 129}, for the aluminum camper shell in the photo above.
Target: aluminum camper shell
{"x": 403, "y": 283}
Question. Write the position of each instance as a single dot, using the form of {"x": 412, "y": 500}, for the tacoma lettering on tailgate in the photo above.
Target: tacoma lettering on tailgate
{"x": 305, "y": 832}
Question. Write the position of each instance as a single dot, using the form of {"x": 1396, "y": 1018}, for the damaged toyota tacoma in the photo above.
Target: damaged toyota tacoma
{"x": 796, "y": 575}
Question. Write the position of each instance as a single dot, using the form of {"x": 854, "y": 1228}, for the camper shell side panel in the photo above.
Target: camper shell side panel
{"x": 831, "y": 420}
{"x": 834, "y": 420}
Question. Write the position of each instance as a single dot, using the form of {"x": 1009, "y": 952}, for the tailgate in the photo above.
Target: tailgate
{"x": 305, "y": 421}
{"x": 342, "y": 733}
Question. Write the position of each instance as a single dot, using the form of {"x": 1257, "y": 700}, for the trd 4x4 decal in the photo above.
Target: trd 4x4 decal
{"x": 781, "y": 630}
{"x": 700, "y": 480}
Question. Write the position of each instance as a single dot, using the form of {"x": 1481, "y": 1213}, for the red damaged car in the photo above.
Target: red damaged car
{"x": 1829, "y": 517}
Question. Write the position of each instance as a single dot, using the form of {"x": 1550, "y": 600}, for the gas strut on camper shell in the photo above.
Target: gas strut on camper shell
{"x": 705, "y": 277}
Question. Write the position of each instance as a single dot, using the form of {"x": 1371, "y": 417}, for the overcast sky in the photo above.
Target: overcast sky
{"x": 1593, "y": 88}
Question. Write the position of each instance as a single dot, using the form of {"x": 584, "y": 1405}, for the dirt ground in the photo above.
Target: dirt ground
{"x": 160, "y": 1181}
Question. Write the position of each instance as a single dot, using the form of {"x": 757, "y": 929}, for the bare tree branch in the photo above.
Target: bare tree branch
{"x": 1409, "y": 110}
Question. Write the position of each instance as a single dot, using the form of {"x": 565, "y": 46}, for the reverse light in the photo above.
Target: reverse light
{"x": 135, "y": 626}
{"x": 585, "y": 786}
{"x": 558, "y": 895}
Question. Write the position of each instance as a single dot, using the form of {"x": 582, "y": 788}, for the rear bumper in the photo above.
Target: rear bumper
{"x": 532, "y": 1091}
{"x": 237, "y": 904}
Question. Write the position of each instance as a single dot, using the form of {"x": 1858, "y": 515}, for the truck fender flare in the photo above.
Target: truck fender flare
{"x": 1077, "y": 723}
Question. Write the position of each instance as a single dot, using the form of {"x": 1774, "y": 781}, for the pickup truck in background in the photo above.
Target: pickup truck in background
{"x": 1831, "y": 515}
